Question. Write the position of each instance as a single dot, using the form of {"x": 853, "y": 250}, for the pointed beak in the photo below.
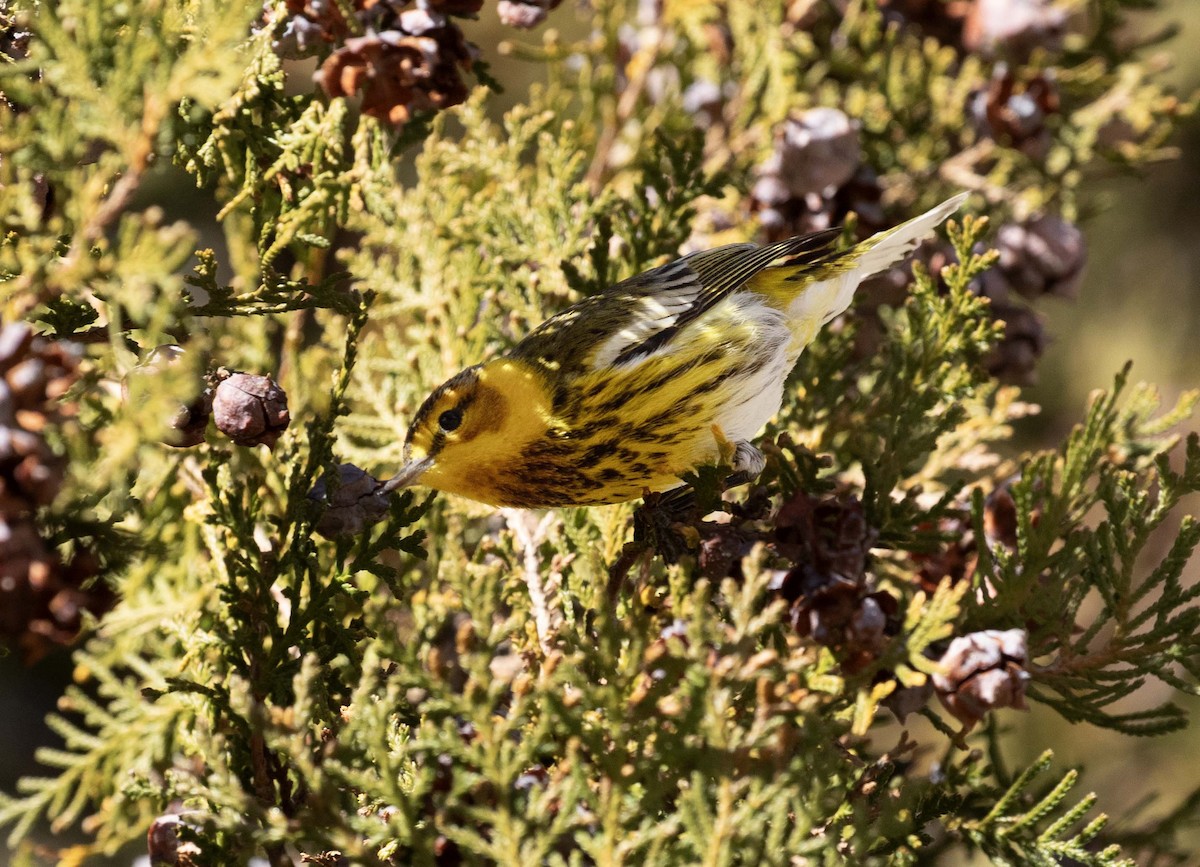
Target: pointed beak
{"x": 409, "y": 474}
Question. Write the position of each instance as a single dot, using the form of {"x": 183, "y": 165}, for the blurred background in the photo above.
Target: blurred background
{"x": 1139, "y": 301}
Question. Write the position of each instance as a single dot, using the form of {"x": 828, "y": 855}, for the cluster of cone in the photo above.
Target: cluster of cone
{"x": 821, "y": 546}
{"x": 402, "y": 57}
{"x": 251, "y": 409}
{"x": 43, "y": 597}
{"x": 816, "y": 173}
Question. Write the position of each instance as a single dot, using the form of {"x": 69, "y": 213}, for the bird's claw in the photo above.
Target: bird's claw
{"x": 748, "y": 462}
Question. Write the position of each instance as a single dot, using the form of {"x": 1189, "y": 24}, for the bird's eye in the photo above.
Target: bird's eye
{"x": 450, "y": 420}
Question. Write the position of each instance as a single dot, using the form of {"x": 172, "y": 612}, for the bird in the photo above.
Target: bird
{"x": 630, "y": 389}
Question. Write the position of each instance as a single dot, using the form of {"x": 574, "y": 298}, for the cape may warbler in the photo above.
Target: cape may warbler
{"x": 636, "y": 385}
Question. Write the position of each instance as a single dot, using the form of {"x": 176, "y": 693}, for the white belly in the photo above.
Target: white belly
{"x": 754, "y": 398}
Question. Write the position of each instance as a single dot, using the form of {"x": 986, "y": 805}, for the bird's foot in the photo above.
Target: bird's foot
{"x": 748, "y": 462}
{"x": 745, "y": 460}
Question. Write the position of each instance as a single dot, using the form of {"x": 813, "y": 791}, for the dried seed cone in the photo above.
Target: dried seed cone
{"x": 352, "y": 505}
{"x": 14, "y": 40}
{"x": 189, "y": 422}
{"x": 815, "y": 177}
{"x": 1045, "y": 255}
{"x": 250, "y": 409}
{"x": 399, "y": 73}
{"x": 456, "y": 7}
{"x": 516, "y": 13}
{"x": 166, "y": 849}
{"x": 831, "y": 596}
{"x": 1014, "y": 28}
{"x": 937, "y": 18}
{"x": 957, "y": 559}
{"x": 1015, "y": 112}
{"x": 981, "y": 672}
{"x": 27, "y": 578}
{"x": 1042, "y": 256}
{"x": 34, "y": 374}
{"x": 816, "y": 153}
{"x": 1014, "y": 359}
{"x": 42, "y": 599}
{"x": 821, "y": 546}
{"x": 408, "y": 58}
{"x": 310, "y": 25}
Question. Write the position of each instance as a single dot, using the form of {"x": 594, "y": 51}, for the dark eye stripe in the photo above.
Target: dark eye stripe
{"x": 450, "y": 420}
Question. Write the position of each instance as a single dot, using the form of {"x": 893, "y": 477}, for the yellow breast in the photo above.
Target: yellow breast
{"x": 543, "y": 436}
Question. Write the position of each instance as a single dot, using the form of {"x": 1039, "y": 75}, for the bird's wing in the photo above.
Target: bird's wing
{"x": 639, "y": 316}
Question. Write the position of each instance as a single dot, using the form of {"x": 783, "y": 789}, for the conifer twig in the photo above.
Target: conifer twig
{"x": 543, "y": 595}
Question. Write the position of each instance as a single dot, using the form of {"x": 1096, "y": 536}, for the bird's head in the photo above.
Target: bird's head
{"x": 470, "y": 432}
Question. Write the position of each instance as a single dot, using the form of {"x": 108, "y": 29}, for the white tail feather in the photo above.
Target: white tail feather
{"x": 887, "y": 248}
{"x": 822, "y": 301}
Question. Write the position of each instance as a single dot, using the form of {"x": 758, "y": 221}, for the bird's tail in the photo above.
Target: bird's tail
{"x": 813, "y": 292}
{"x": 882, "y": 251}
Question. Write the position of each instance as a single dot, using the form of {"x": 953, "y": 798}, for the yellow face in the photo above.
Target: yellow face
{"x": 469, "y": 433}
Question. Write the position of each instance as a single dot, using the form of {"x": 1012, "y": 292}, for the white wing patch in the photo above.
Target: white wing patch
{"x": 675, "y": 292}
{"x": 668, "y": 296}
{"x": 759, "y": 336}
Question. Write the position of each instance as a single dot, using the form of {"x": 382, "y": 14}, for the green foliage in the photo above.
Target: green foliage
{"x": 96, "y": 123}
{"x": 1004, "y": 833}
{"x": 458, "y": 685}
{"x": 1115, "y": 461}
